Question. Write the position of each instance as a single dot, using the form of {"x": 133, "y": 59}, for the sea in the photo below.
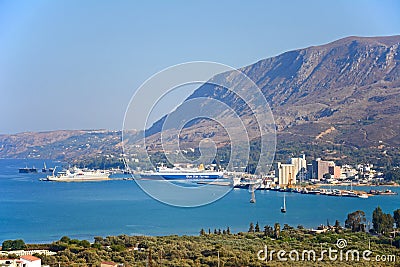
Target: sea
{"x": 41, "y": 212}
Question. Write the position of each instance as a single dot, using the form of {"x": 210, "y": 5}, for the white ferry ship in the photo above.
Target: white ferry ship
{"x": 179, "y": 173}
{"x": 79, "y": 175}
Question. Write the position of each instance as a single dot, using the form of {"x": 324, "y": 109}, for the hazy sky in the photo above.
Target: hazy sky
{"x": 75, "y": 64}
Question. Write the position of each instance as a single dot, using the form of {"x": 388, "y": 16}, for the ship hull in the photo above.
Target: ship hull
{"x": 77, "y": 179}
{"x": 78, "y": 175}
{"x": 27, "y": 170}
{"x": 181, "y": 176}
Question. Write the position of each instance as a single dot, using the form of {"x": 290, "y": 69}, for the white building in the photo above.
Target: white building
{"x": 23, "y": 261}
{"x": 10, "y": 263}
{"x": 30, "y": 261}
{"x": 300, "y": 167}
{"x": 285, "y": 174}
{"x": 20, "y": 253}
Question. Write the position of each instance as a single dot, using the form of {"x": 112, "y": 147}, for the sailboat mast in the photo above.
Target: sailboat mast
{"x": 283, "y": 209}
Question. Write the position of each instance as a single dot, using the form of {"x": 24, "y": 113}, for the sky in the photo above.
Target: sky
{"x": 71, "y": 64}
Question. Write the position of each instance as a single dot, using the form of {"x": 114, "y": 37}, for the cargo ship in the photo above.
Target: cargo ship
{"x": 28, "y": 170}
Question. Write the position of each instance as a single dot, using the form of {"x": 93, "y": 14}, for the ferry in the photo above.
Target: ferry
{"x": 78, "y": 175}
{"x": 178, "y": 173}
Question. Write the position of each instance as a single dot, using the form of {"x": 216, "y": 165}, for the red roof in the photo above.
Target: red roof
{"x": 109, "y": 263}
{"x": 29, "y": 258}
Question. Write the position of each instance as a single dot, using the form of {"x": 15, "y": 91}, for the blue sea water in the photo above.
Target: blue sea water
{"x": 39, "y": 211}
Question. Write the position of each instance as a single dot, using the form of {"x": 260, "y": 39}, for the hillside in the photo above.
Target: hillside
{"x": 339, "y": 100}
{"x": 342, "y": 94}
{"x": 62, "y": 145}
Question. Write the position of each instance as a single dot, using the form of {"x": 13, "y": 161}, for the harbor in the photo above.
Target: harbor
{"x": 134, "y": 212}
{"x": 321, "y": 190}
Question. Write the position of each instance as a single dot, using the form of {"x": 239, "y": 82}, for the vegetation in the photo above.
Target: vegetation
{"x": 393, "y": 174}
{"x": 223, "y": 248}
{"x": 383, "y": 223}
{"x": 356, "y": 221}
{"x": 233, "y": 249}
{"x": 13, "y": 244}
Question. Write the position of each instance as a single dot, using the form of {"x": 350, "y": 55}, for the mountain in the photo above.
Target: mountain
{"x": 339, "y": 100}
{"x": 345, "y": 93}
{"x": 62, "y": 145}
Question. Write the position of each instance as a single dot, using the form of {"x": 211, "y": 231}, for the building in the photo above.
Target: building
{"x": 20, "y": 253}
{"x": 337, "y": 172}
{"x": 321, "y": 168}
{"x": 23, "y": 261}
{"x": 300, "y": 167}
{"x": 348, "y": 172}
{"x": 289, "y": 173}
{"x": 30, "y": 261}
{"x": 108, "y": 264}
{"x": 285, "y": 173}
{"x": 10, "y": 263}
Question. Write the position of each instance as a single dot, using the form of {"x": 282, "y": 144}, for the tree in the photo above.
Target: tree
{"x": 396, "y": 217}
{"x": 377, "y": 215}
{"x": 268, "y": 231}
{"x": 382, "y": 223}
{"x": 85, "y": 244}
{"x": 257, "y": 228}
{"x": 337, "y": 224}
{"x": 287, "y": 227}
{"x": 356, "y": 221}
{"x": 251, "y": 228}
{"x": 18, "y": 244}
{"x": 277, "y": 230}
{"x": 393, "y": 174}
{"x": 202, "y": 232}
{"x": 228, "y": 231}
{"x": 65, "y": 239}
{"x": 388, "y": 222}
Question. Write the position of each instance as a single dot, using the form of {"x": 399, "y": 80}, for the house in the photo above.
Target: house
{"x": 30, "y": 261}
{"x": 10, "y": 263}
{"x": 108, "y": 264}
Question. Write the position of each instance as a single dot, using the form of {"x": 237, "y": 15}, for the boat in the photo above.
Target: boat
{"x": 363, "y": 195}
{"x": 314, "y": 192}
{"x": 44, "y": 169}
{"x": 382, "y": 192}
{"x": 27, "y": 170}
{"x": 283, "y": 209}
{"x": 177, "y": 173}
{"x": 78, "y": 175}
{"x": 253, "y": 197}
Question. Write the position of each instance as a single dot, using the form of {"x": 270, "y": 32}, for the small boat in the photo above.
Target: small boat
{"x": 44, "y": 169}
{"x": 364, "y": 195}
{"x": 283, "y": 209}
{"x": 253, "y": 197}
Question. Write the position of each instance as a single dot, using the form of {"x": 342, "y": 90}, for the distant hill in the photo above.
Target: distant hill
{"x": 330, "y": 99}
{"x": 62, "y": 145}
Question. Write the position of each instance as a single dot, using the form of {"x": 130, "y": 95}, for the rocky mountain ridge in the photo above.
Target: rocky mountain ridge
{"x": 338, "y": 96}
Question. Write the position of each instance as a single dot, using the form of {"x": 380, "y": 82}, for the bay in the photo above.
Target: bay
{"x": 39, "y": 212}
